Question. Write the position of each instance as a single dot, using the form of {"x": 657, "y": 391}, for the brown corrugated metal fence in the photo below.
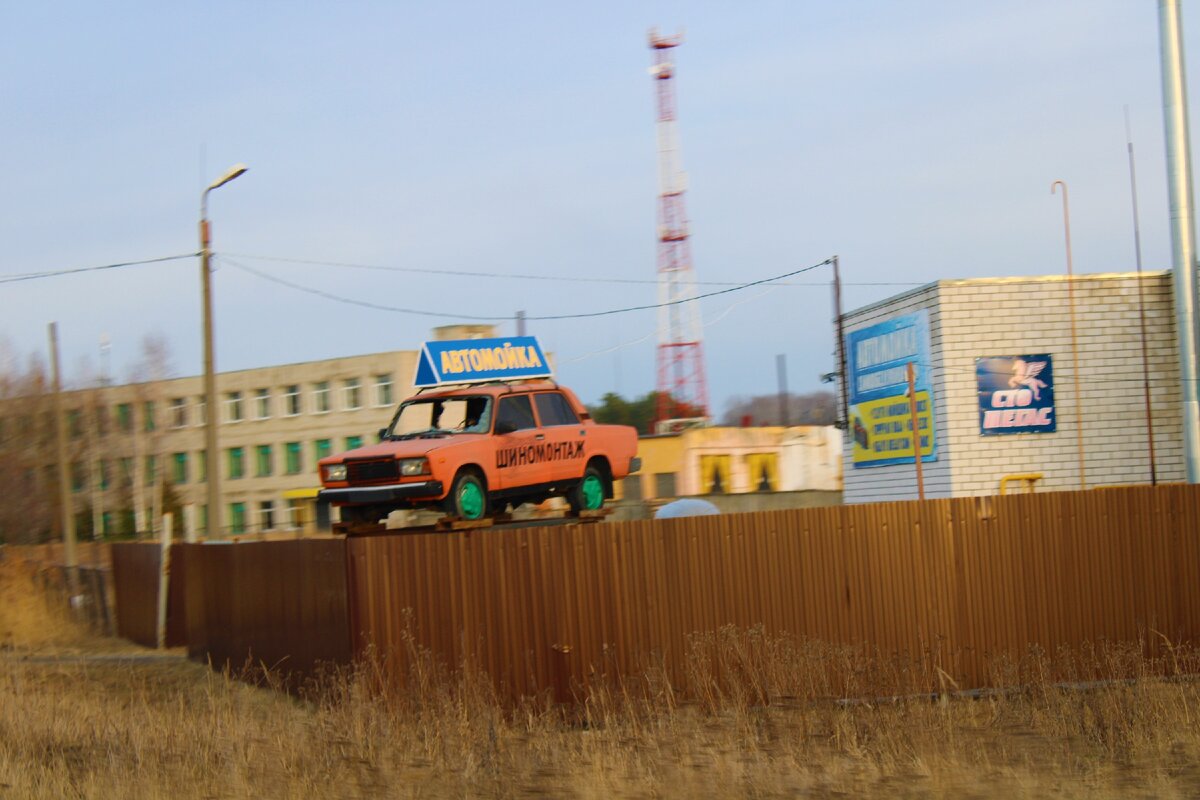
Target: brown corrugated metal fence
{"x": 966, "y": 579}
{"x": 135, "y": 585}
{"x": 279, "y": 604}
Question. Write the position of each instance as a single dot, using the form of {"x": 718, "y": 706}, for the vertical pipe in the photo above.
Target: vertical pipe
{"x": 1074, "y": 334}
{"x": 520, "y": 323}
{"x": 1137, "y": 248}
{"x": 781, "y": 372}
{"x": 1183, "y": 229}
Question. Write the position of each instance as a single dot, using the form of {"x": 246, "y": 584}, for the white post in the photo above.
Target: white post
{"x": 189, "y": 523}
{"x": 164, "y": 580}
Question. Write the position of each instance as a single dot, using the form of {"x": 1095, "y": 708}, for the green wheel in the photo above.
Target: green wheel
{"x": 468, "y": 498}
{"x": 588, "y": 494}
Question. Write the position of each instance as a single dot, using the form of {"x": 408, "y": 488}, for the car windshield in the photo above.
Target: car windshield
{"x": 442, "y": 417}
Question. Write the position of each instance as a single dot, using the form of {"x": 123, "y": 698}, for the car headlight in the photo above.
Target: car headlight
{"x": 335, "y": 472}
{"x": 414, "y": 466}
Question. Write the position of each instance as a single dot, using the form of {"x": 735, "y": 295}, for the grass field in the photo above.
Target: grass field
{"x": 87, "y": 717}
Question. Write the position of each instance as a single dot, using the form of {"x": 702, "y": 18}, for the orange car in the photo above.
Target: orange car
{"x": 475, "y": 450}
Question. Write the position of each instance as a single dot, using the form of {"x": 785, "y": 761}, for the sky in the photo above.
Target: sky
{"x": 915, "y": 141}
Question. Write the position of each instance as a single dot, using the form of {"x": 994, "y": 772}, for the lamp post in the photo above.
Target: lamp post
{"x": 1074, "y": 338}
{"x": 211, "y": 407}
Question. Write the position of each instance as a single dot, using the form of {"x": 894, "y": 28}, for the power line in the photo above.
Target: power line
{"x": 447, "y": 315}
{"x": 462, "y": 273}
{"x": 30, "y": 276}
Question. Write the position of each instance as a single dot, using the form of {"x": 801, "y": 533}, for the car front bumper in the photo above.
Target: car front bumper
{"x": 361, "y": 495}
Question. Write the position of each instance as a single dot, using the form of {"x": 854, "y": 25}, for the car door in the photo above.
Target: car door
{"x": 565, "y": 442}
{"x": 520, "y": 444}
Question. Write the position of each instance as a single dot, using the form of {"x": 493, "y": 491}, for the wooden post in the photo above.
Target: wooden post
{"x": 164, "y": 580}
{"x": 916, "y": 432}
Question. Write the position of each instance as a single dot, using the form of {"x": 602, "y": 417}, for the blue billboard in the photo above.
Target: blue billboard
{"x": 478, "y": 360}
{"x": 881, "y": 425}
{"x": 1016, "y": 394}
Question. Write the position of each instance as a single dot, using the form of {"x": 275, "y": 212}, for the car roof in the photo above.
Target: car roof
{"x": 493, "y": 388}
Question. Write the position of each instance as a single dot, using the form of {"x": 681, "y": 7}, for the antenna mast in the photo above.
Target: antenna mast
{"x": 682, "y": 390}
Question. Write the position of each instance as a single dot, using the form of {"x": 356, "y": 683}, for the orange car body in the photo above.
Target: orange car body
{"x": 523, "y": 441}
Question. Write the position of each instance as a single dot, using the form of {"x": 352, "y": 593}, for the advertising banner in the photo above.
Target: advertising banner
{"x": 1016, "y": 394}
{"x": 880, "y": 421}
{"x": 478, "y": 360}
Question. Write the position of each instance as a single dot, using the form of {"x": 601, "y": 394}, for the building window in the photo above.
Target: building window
{"x": 664, "y": 484}
{"x": 294, "y": 458}
{"x": 124, "y": 417}
{"x": 202, "y": 518}
{"x": 383, "y": 390}
{"x": 78, "y": 477}
{"x": 237, "y": 462}
{"x": 201, "y": 411}
{"x": 295, "y": 513}
{"x": 631, "y": 487}
{"x": 178, "y": 412}
{"x": 201, "y": 466}
{"x": 291, "y": 400}
{"x": 148, "y": 416}
{"x": 323, "y": 448}
{"x": 125, "y": 466}
{"x": 151, "y": 470}
{"x": 321, "y": 397}
{"x": 233, "y": 406}
{"x": 74, "y": 423}
{"x": 102, "y": 420}
{"x": 262, "y": 461}
{"x": 237, "y": 518}
{"x": 353, "y": 442}
{"x": 353, "y": 393}
{"x": 102, "y": 472}
{"x": 179, "y": 468}
{"x": 266, "y": 510}
{"x": 262, "y": 403}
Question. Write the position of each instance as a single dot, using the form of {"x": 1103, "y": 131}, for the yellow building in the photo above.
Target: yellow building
{"x": 726, "y": 460}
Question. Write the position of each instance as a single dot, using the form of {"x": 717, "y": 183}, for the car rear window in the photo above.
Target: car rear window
{"x": 553, "y": 409}
{"x": 517, "y": 411}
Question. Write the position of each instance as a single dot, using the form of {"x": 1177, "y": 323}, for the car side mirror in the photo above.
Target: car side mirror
{"x": 381, "y": 435}
{"x": 504, "y": 426}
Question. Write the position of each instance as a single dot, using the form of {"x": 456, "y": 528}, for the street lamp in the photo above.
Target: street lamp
{"x": 212, "y": 455}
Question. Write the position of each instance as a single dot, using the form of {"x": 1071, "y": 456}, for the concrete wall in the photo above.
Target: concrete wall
{"x": 735, "y": 503}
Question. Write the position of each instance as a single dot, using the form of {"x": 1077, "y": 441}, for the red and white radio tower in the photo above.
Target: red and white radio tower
{"x": 682, "y": 391}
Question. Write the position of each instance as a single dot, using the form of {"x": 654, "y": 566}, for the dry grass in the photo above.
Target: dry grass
{"x": 760, "y": 723}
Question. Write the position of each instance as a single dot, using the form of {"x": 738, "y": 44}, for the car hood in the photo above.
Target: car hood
{"x": 409, "y": 448}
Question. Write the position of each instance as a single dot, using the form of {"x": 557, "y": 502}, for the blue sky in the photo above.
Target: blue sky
{"x": 917, "y": 141}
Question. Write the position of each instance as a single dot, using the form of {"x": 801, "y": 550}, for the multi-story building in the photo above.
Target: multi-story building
{"x": 126, "y": 443}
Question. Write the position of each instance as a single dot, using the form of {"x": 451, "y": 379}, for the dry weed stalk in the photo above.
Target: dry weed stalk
{"x": 758, "y": 715}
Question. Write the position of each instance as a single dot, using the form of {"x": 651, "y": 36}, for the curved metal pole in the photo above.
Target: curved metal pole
{"x": 1074, "y": 336}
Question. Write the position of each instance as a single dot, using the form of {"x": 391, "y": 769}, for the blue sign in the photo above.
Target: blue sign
{"x": 881, "y": 424}
{"x": 479, "y": 360}
{"x": 1016, "y": 394}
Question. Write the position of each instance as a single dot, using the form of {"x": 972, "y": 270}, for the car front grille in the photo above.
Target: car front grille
{"x": 379, "y": 471}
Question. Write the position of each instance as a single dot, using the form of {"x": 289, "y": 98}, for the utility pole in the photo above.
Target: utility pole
{"x": 67, "y": 519}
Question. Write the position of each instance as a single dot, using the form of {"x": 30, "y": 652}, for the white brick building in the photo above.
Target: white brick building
{"x": 970, "y": 319}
